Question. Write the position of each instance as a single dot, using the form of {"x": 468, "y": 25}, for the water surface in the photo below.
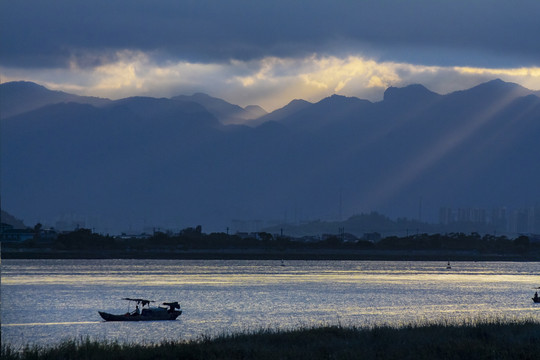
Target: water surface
{"x": 46, "y": 301}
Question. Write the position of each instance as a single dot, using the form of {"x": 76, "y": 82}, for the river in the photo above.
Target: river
{"x": 46, "y": 301}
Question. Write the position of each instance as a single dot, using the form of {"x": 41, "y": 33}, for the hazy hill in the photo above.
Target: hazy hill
{"x": 226, "y": 112}
{"x": 7, "y": 218}
{"x": 170, "y": 162}
{"x": 288, "y": 110}
{"x": 22, "y": 96}
{"x": 255, "y": 111}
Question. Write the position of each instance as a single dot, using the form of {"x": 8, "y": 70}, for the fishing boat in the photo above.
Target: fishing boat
{"x": 166, "y": 311}
{"x": 536, "y": 298}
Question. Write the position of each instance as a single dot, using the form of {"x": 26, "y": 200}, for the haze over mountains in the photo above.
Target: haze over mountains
{"x": 171, "y": 163}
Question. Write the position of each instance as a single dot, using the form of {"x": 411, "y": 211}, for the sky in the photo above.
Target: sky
{"x": 268, "y": 52}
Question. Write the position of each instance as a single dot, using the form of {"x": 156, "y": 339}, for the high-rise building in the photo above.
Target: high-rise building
{"x": 446, "y": 216}
{"x": 498, "y": 219}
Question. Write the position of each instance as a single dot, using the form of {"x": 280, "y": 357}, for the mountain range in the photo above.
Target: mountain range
{"x": 175, "y": 162}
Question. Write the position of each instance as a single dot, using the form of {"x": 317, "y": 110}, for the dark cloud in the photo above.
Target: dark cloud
{"x": 37, "y": 33}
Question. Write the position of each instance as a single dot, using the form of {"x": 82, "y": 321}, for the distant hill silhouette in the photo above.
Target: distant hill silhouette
{"x": 226, "y": 112}
{"x": 22, "y": 96}
{"x": 175, "y": 163}
{"x": 9, "y": 219}
{"x": 255, "y": 111}
{"x": 288, "y": 110}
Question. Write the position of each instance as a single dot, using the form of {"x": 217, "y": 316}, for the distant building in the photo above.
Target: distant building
{"x": 478, "y": 216}
{"x": 10, "y": 235}
{"x": 141, "y": 236}
{"x": 446, "y": 216}
{"x": 535, "y": 219}
{"x": 463, "y": 214}
{"x": 249, "y": 235}
{"x": 310, "y": 238}
{"x": 348, "y": 237}
{"x": 343, "y": 236}
{"x": 47, "y": 235}
{"x": 498, "y": 219}
{"x": 525, "y": 220}
{"x": 372, "y": 236}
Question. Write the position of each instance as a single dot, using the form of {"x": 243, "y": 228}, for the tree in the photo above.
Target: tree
{"x": 522, "y": 243}
{"x": 37, "y": 231}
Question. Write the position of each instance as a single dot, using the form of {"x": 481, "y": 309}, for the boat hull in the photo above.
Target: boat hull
{"x": 143, "y": 317}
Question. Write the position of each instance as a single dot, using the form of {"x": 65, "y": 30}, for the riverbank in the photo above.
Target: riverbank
{"x": 270, "y": 254}
{"x": 501, "y": 339}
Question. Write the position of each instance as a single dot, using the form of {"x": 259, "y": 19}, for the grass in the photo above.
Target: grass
{"x": 484, "y": 339}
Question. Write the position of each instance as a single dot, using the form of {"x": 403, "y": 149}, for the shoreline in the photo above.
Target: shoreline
{"x": 262, "y": 254}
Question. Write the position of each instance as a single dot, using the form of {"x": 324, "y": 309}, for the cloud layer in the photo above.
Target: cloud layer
{"x": 267, "y": 52}
{"x": 51, "y": 34}
{"x": 270, "y": 82}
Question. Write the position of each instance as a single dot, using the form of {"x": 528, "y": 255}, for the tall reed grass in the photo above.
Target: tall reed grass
{"x": 468, "y": 339}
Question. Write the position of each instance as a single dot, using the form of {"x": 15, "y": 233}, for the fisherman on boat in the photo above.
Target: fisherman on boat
{"x": 535, "y": 298}
{"x": 166, "y": 311}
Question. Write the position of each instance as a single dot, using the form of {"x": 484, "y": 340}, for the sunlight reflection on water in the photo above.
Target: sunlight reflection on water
{"x": 45, "y": 301}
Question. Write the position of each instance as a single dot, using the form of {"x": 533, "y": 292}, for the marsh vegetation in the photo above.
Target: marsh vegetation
{"x": 469, "y": 339}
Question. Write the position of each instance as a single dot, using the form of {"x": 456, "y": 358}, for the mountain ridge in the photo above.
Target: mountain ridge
{"x": 20, "y": 96}
{"x": 227, "y": 113}
{"x": 172, "y": 163}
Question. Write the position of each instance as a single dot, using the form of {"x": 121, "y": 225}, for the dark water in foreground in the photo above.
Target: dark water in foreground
{"x": 46, "y": 301}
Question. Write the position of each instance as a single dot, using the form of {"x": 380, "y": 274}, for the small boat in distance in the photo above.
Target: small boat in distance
{"x": 448, "y": 266}
{"x": 166, "y": 311}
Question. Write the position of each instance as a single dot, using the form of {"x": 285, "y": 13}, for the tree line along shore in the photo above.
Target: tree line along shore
{"x": 192, "y": 243}
{"x": 484, "y": 339}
